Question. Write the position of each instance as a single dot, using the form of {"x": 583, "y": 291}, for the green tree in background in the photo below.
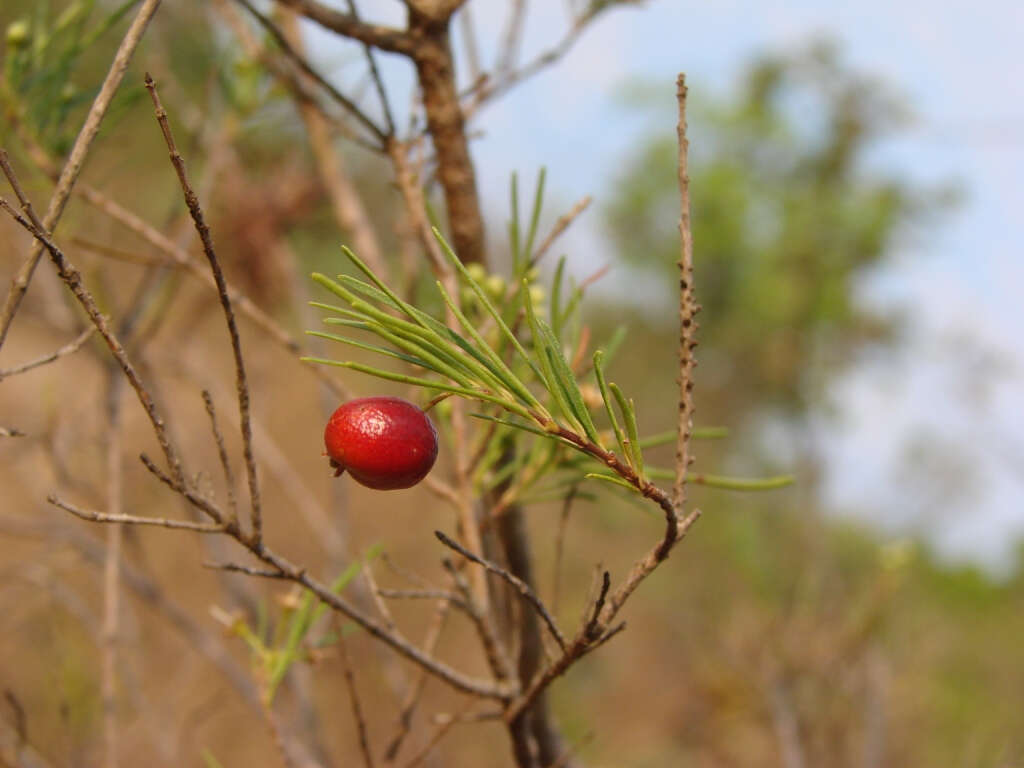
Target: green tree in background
{"x": 787, "y": 216}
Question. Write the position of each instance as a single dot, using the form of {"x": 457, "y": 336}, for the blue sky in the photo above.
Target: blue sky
{"x": 932, "y": 441}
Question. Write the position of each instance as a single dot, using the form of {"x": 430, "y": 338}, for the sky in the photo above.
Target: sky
{"x": 931, "y": 441}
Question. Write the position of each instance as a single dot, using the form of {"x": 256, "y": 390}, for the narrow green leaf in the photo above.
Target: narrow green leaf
{"x": 540, "y": 344}
{"x": 513, "y": 225}
{"x": 602, "y": 384}
{"x": 495, "y": 364}
{"x": 726, "y": 482}
{"x": 538, "y": 200}
{"x": 699, "y": 433}
{"x": 614, "y": 479}
{"x": 515, "y": 425}
{"x": 567, "y": 379}
{"x": 555, "y": 309}
{"x": 310, "y": 609}
{"x": 210, "y": 760}
{"x": 402, "y": 378}
{"x": 628, "y": 411}
{"x": 374, "y": 348}
{"x": 488, "y": 305}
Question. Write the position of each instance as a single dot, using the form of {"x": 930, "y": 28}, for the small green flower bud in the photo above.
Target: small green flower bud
{"x": 18, "y": 34}
{"x": 536, "y": 295}
{"x": 477, "y": 272}
{"x": 495, "y": 286}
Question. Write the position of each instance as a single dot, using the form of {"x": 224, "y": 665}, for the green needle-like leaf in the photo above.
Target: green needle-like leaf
{"x": 602, "y": 384}
{"x": 613, "y": 479}
{"x": 628, "y": 411}
{"x": 485, "y": 301}
{"x": 538, "y": 199}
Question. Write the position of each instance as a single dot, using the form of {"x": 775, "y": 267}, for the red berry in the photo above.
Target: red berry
{"x": 384, "y": 442}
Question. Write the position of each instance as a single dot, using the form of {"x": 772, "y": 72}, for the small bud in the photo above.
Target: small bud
{"x": 18, "y": 34}
{"x": 536, "y": 295}
{"x": 495, "y": 286}
{"x": 477, "y": 272}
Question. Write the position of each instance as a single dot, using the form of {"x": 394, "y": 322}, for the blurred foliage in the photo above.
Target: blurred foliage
{"x": 759, "y": 603}
{"x": 787, "y": 214}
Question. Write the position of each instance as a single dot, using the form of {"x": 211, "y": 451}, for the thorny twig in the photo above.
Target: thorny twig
{"x": 229, "y": 315}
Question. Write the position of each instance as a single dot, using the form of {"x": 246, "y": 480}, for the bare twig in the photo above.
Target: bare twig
{"x": 262, "y": 573}
{"x": 182, "y": 259}
{"x": 379, "y": 36}
{"x": 112, "y": 574}
{"x": 440, "y": 732}
{"x": 494, "y": 650}
{"x": 76, "y": 159}
{"x": 236, "y": 345}
{"x": 518, "y": 584}
{"x": 371, "y": 62}
{"x": 412, "y": 696}
{"x": 558, "y": 230}
{"x": 688, "y": 309}
{"x": 353, "y": 696}
{"x": 225, "y": 462}
{"x": 110, "y": 517}
{"x": 73, "y": 280}
{"x": 298, "y": 60}
{"x": 69, "y": 348}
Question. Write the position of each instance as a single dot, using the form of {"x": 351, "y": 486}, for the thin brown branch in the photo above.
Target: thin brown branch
{"x": 511, "y": 39}
{"x": 494, "y": 650}
{"x": 563, "y": 223}
{"x": 688, "y": 309}
{"x": 73, "y": 166}
{"x": 182, "y": 259}
{"x": 435, "y": 71}
{"x": 346, "y": 202}
{"x": 248, "y": 570}
{"x": 524, "y": 589}
{"x": 225, "y": 462}
{"x": 347, "y": 25}
{"x": 236, "y": 345}
{"x": 300, "y": 61}
{"x": 73, "y": 280}
{"x": 117, "y": 518}
{"x": 412, "y": 696}
{"x": 378, "y": 81}
{"x": 353, "y": 697}
{"x": 69, "y": 348}
{"x": 112, "y": 576}
{"x": 440, "y": 731}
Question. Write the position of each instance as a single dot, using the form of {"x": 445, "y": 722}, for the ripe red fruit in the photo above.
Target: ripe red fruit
{"x": 384, "y": 442}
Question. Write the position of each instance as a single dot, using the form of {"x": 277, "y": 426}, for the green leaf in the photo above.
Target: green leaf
{"x": 699, "y": 433}
{"x": 613, "y": 479}
{"x": 495, "y": 365}
{"x": 373, "y": 348}
{"x": 485, "y": 301}
{"x": 538, "y": 200}
{"x": 309, "y": 611}
{"x": 726, "y": 482}
{"x": 556, "y": 297}
{"x": 210, "y": 760}
{"x": 620, "y": 437}
{"x": 540, "y": 343}
{"x": 513, "y": 225}
{"x": 628, "y": 411}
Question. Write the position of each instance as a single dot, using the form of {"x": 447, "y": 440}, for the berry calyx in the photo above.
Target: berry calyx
{"x": 385, "y": 443}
